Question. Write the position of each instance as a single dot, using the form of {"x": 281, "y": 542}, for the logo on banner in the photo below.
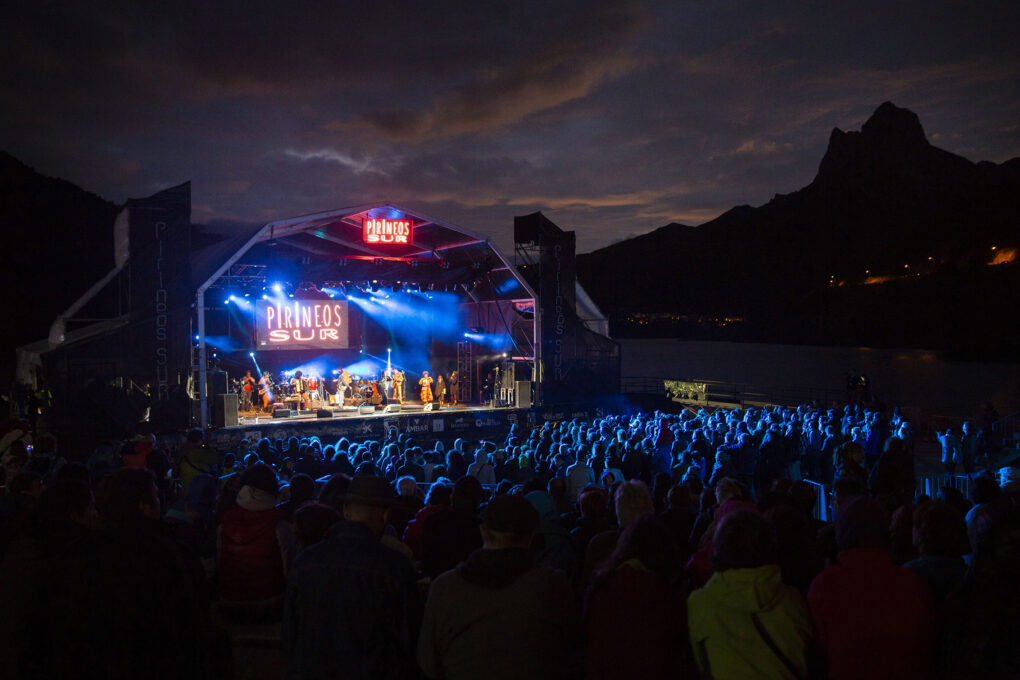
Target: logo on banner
{"x": 387, "y": 231}
{"x": 416, "y": 425}
{"x": 460, "y": 424}
{"x": 486, "y": 422}
{"x": 438, "y": 425}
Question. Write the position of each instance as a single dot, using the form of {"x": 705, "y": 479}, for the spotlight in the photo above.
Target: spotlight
{"x": 227, "y": 301}
{"x": 251, "y": 354}
{"x": 277, "y": 288}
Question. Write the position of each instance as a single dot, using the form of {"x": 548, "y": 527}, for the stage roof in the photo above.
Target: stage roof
{"x": 333, "y": 246}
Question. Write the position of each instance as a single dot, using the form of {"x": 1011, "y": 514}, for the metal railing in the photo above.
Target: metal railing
{"x": 1006, "y": 429}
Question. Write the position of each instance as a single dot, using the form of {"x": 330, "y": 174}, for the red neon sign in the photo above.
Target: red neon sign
{"x": 387, "y": 231}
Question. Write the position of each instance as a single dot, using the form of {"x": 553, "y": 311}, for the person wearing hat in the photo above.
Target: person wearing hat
{"x": 351, "y": 601}
{"x": 498, "y": 594}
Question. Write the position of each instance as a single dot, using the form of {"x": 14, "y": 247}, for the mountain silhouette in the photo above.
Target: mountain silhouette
{"x": 886, "y": 207}
{"x": 58, "y": 241}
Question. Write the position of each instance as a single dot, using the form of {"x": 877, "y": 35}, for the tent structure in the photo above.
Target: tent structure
{"x": 337, "y": 249}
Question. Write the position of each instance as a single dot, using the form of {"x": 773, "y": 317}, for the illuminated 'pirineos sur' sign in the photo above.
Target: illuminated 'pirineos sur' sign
{"x": 387, "y": 231}
{"x": 301, "y": 324}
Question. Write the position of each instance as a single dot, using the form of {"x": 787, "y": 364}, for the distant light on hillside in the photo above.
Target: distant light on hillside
{"x": 1004, "y": 256}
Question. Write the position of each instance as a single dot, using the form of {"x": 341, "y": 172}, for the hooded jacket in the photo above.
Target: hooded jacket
{"x": 498, "y": 615}
{"x": 724, "y": 637}
{"x": 252, "y": 548}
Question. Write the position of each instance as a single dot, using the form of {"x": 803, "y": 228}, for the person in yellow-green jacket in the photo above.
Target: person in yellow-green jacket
{"x": 745, "y": 623}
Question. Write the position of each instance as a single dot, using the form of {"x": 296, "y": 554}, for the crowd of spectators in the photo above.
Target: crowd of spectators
{"x": 633, "y": 546}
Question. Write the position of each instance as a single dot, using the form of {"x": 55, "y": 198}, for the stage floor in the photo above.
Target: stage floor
{"x": 470, "y": 422}
{"x": 248, "y": 418}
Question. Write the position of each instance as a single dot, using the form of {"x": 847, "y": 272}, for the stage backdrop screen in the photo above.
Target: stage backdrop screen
{"x": 301, "y": 324}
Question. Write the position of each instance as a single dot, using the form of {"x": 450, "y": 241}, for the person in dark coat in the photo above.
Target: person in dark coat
{"x": 499, "y": 614}
{"x": 127, "y": 601}
{"x": 351, "y": 605}
{"x": 449, "y": 536}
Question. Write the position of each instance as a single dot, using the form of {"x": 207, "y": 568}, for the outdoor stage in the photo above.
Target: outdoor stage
{"x": 469, "y": 422}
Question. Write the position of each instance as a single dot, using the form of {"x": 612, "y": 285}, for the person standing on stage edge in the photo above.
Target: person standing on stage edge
{"x": 453, "y": 384}
{"x": 440, "y": 390}
{"x": 398, "y": 385}
{"x": 247, "y": 390}
{"x": 426, "y": 388}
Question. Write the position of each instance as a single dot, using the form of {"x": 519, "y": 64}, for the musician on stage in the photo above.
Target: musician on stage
{"x": 247, "y": 391}
{"x": 386, "y": 383}
{"x": 440, "y": 390}
{"x": 301, "y": 390}
{"x": 345, "y": 390}
{"x": 398, "y": 385}
{"x": 426, "y": 387}
{"x": 266, "y": 383}
{"x": 453, "y": 384}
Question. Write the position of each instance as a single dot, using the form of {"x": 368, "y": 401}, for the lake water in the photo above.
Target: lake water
{"x": 915, "y": 378}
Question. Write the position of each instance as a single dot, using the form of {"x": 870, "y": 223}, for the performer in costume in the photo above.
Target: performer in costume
{"x": 247, "y": 391}
{"x": 398, "y": 385}
{"x": 266, "y": 382}
{"x": 300, "y": 390}
{"x": 453, "y": 384}
{"x": 426, "y": 388}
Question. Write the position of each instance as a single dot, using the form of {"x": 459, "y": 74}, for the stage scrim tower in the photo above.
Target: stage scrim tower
{"x": 574, "y": 361}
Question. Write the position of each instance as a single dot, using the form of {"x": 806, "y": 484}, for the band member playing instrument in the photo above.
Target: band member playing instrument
{"x": 386, "y": 383}
{"x": 300, "y": 390}
{"x": 398, "y": 385}
{"x": 345, "y": 386}
{"x": 453, "y": 384}
{"x": 247, "y": 389}
{"x": 266, "y": 382}
{"x": 426, "y": 388}
{"x": 440, "y": 390}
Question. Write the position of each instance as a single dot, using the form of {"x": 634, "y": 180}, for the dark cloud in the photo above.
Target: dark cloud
{"x": 614, "y": 118}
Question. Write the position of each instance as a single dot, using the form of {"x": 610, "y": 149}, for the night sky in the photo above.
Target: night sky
{"x": 612, "y": 118}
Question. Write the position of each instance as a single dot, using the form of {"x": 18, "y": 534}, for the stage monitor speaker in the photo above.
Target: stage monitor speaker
{"x": 366, "y": 409}
{"x": 216, "y": 383}
{"x": 324, "y": 413}
{"x": 281, "y": 413}
{"x": 431, "y": 406}
{"x": 522, "y": 394}
{"x": 392, "y": 408}
{"x": 225, "y": 410}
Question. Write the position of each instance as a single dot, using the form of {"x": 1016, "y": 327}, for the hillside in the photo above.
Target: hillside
{"x": 889, "y": 245}
{"x": 57, "y": 240}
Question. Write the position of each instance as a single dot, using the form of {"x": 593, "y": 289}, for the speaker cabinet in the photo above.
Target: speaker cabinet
{"x": 281, "y": 413}
{"x": 225, "y": 410}
{"x": 431, "y": 406}
{"x": 324, "y": 413}
{"x": 366, "y": 409}
{"x": 216, "y": 383}
{"x": 392, "y": 408}
{"x": 522, "y": 394}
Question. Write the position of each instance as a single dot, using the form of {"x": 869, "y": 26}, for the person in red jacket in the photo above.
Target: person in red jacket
{"x": 874, "y": 619}
{"x": 255, "y": 544}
